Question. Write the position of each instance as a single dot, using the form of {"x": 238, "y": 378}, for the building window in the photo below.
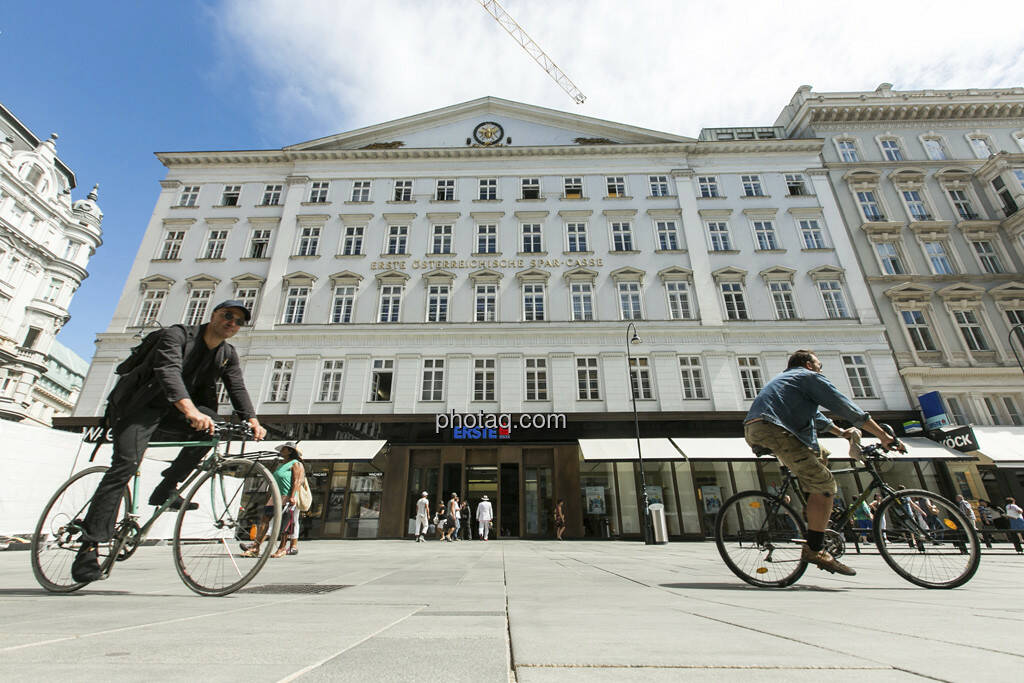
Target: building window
{"x": 918, "y": 329}
{"x": 970, "y": 329}
{"x": 889, "y": 258}
{"x": 1012, "y": 411}
{"x": 361, "y": 191}
{"x": 576, "y": 235}
{"x": 271, "y": 195}
{"x": 330, "y": 381}
{"x": 934, "y": 149}
{"x": 718, "y": 234}
{"x": 987, "y": 256}
{"x": 659, "y": 185}
{"x": 488, "y": 188}
{"x": 752, "y": 186}
{"x": 1014, "y": 317}
{"x": 616, "y": 185}
{"x": 398, "y": 238}
{"x": 344, "y": 301}
{"x": 441, "y": 242}
{"x": 248, "y": 296}
{"x": 573, "y": 187}
{"x": 1005, "y": 196}
{"x": 152, "y": 302}
{"x": 487, "y": 239}
{"x": 782, "y": 298}
{"x": 848, "y": 150}
{"x": 708, "y": 186}
{"x": 259, "y": 243}
{"x": 280, "y": 381}
{"x": 668, "y": 235}
{"x": 857, "y": 373}
{"x": 71, "y": 250}
{"x": 957, "y": 414}
{"x": 380, "y": 380}
{"x": 891, "y": 150}
{"x": 195, "y": 310}
{"x": 869, "y": 206}
{"x": 486, "y": 304}
{"x": 189, "y": 195}
{"x": 390, "y": 303}
{"x": 764, "y": 235}
{"x": 536, "y": 379}
{"x": 678, "y": 300}
{"x": 962, "y": 204}
{"x": 231, "y": 195}
{"x": 531, "y": 188}
{"x": 445, "y": 190}
{"x": 588, "y": 384}
{"x": 796, "y": 186}
{"x": 832, "y": 296}
{"x": 915, "y": 206}
{"x": 531, "y": 238}
{"x": 622, "y": 236}
{"x": 352, "y": 245}
{"x": 735, "y": 305}
{"x": 640, "y": 378}
{"x": 309, "y": 241}
{"x": 629, "y": 301}
{"x": 1018, "y": 175}
{"x": 215, "y": 244}
{"x": 171, "y": 249}
{"x": 693, "y": 377}
{"x": 318, "y": 192}
{"x": 938, "y": 259}
{"x": 750, "y": 376}
{"x": 432, "y": 388}
{"x": 483, "y": 379}
{"x": 295, "y": 305}
{"x": 533, "y": 301}
{"x": 437, "y": 303}
{"x": 582, "y": 294}
{"x": 981, "y": 146}
{"x": 811, "y": 233}
{"x": 990, "y": 408}
{"x": 403, "y": 190}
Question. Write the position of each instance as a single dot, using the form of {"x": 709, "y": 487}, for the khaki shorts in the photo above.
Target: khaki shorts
{"x": 810, "y": 468}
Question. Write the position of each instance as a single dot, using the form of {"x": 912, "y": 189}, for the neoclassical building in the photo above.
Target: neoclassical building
{"x": 46, "y": 241}
{"x": 484, "y": 262}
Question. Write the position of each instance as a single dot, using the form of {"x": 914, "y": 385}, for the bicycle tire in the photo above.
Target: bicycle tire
{"x": 203, "y": 538}
{"x": 934, "y": 547}
{"x": 750, "y": 547}
{"x": 53, "y": 547}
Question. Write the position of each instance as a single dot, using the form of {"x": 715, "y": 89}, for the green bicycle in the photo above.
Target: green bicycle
{"x": 229, "y": 490}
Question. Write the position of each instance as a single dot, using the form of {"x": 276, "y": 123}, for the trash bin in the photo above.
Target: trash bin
{"x": 659, "y": 524}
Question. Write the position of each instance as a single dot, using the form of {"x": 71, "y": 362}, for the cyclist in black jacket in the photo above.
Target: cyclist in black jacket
{"x": 168, "y": 395}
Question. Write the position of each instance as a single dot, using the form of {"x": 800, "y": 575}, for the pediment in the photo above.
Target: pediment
{"x": 961, "y": 291}
{"x": 580, "y": 273}
{"x": 1010, "y": 290}
{"x": 910, "y": 290}
{"x": 392, "y": 276}
{"x": 826, "y": 273}
{"x": 248, "y": 278}
{"x": 627, "y": 273}
{"x": 202, "y": 280}
{"x": 345, "y": 275}
{"x": 485, "y": 274}
{"x": 675, "y": 273}
{"x": 156, "y": 282}
{"x": 439, "y": 275}
{"x": 778, "y": 273}
{"x": 299, "y": 277}
{"x": 533, "y": 274}
{"x": 525, "y": 124}
{"x": 729, "y": 273}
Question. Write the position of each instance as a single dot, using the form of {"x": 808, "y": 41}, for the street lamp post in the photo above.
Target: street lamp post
{"x": 635, "y": 339}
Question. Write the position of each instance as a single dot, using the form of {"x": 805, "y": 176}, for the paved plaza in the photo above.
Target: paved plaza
{"x": 526, "y": 611}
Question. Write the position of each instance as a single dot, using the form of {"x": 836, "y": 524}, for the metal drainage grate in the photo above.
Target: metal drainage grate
{"x": 300, "y": 588}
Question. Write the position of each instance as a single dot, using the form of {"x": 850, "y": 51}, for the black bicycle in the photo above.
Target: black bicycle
{"x": 921, "y": 535}
{"x": 228, "y": 489}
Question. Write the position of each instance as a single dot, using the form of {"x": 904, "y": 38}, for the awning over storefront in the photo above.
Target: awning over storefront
{"x": 345, "y": 450}
{"x": 625, "y": 449}
{"x": 1004, "y": 446}
{"x": 729, "y": 448}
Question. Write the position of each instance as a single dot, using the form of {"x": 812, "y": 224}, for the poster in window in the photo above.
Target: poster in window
{"x": 654, "y": 495}
{"x": 712, "y": 497}
{"x": 595, "y": 500}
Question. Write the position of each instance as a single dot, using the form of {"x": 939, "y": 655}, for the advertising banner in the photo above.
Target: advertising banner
{"x": 960, "y": 438}
{"x": 934, "y": 412}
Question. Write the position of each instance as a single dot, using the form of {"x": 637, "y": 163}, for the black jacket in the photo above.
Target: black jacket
{"x": 159, "y": 375}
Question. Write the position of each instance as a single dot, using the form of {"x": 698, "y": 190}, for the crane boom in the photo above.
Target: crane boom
{"x": 532, "y": 48}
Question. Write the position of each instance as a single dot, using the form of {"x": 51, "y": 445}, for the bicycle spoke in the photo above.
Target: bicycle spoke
{"x": 760, "y": 538}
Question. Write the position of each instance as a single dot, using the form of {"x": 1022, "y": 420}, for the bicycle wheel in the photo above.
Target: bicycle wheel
{"x": 57, "y": 536}
{"x": 760, "y": 538}
{"x": 205, "y": 551}
{"x": 930, "y": 550}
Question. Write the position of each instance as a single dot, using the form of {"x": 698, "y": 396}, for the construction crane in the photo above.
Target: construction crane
{"x": 532, "y": 48}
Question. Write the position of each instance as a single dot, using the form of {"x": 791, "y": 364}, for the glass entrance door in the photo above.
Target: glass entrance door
{"x": 482, "y": 480}
{"x": 539, "y": 507}
{"x": 508, "y": 515}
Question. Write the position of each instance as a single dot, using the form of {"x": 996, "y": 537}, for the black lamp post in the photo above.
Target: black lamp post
{"x": 635, "y": 339}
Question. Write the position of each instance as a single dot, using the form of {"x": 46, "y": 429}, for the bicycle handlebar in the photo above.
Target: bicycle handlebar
{"x": 233, "y": 430}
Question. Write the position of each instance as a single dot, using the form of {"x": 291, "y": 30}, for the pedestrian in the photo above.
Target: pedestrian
{"x": 464, "y": 518}
{"x": 1016, "y": 517}
{"x": 988, "y": 516}
{"x": 484, "y": 514}
{"x": 560, "y": 519}
{"x": 440, "y": 521}
{"x": 453, "y": 518}
{"x": 965, "y": 507}
{"x": 422, "y": 517}
{"x": 288, "y": 476}
{"x": 862, "y": 520}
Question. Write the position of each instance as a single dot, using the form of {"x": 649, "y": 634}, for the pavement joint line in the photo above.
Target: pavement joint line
{"x": 753, "y": 667}
{"x": 316, "y": 665}
{"x": 510, "y": 660}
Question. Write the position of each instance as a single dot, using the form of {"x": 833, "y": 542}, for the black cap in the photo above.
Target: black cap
{"x": 234, "y": 303}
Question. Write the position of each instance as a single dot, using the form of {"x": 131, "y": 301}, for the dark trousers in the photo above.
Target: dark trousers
{"x": 132, "y": 433}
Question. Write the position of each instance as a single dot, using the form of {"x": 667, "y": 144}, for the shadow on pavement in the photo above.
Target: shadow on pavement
{"x": 745, "y": 587}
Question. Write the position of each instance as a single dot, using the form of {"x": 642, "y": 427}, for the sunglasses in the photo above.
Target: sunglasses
{"x": 236, "y": 318}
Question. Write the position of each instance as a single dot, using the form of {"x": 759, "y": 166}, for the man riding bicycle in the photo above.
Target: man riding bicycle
{"x": 167, "y": 392}
{"x": 785, "y": 419}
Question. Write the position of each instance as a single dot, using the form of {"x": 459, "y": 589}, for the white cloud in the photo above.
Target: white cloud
{"x": 324, "y": 67}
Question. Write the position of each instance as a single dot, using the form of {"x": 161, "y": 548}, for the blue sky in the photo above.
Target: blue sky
{"x": 121, "y": 80}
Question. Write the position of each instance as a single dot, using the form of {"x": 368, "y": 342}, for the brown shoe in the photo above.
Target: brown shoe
{"x": 825, "y": 561}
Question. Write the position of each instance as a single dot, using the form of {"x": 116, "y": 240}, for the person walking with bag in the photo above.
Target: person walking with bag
{"x": 484, "y": 514}
{"x": 289, "y": 476}
{"x": 422, "y": 517}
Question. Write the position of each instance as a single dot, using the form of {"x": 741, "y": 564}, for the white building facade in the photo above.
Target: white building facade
{"x": 487, "y": 258}
{"x": 46, "y": 242}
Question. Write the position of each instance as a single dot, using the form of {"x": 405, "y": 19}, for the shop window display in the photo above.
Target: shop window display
{"x": 597, "y": 489}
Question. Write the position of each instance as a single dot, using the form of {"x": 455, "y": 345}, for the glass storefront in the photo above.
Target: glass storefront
{"x": 661, "y": 488}
{"x": 599, "y": 502}
{"x": 714, "y": 487}
{"x": 334, "y": 519}
{"x": 626, "y": 478}
{"x": 362, "y": 513}
{"x": 689, "y": 516}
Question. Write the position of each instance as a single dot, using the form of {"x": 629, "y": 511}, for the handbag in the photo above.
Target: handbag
{"x": 304, "y": 499}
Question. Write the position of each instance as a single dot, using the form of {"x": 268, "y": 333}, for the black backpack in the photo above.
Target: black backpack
{"x": 139, "y": 353}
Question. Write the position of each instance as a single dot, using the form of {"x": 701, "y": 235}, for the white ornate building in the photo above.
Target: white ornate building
{"x": 489, "y": 256}
{"x": 46, "y": 242}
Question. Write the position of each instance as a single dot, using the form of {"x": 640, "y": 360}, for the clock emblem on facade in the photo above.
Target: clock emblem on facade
{"x": 488, "y": 133}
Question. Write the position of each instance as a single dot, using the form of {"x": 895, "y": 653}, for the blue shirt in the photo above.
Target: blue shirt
{"x": 791, "y": 399}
